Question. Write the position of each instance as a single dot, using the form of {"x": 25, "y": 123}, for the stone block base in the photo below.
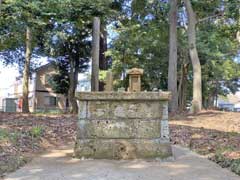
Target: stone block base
{"x": 122, "y": 148}
{"x": 123, "y": 125}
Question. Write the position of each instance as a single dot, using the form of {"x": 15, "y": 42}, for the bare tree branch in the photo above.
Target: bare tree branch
{"x": 220, "y": 14}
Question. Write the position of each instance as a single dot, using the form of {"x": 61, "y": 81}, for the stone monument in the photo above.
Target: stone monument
{"x": 123, "y": 125}
{"x": 135, "y": 79}
{"x": 109, "y": 81}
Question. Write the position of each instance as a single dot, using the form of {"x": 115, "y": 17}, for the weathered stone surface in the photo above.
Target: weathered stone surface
{"x": 122, "y": 148}
{"x": 98, "y": 110}
{"x": 107, "y": 129}
{"x": 120, "y": 109}
{"x": 109, "y": 81}
{"x": 123, "y": 125}
{"x": 164, "y": 129}
{"x": 115, "y": 96}
{"x": 82, "y": 109}
{"x": 136, "y": 109}
{"x": 124, "y": 129}
{"x": 148, "y": 129}
{"x": 165, "y": 111}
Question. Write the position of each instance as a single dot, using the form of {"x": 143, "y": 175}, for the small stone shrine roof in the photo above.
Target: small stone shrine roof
{"x": 135, "y": 71}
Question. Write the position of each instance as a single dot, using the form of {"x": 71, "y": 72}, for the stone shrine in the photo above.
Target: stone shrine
{"x": 135, "y": 79}
{"x": 123, "y": 125}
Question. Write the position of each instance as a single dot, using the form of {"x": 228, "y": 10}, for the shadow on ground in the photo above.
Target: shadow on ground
{"x": 57, "y": 165}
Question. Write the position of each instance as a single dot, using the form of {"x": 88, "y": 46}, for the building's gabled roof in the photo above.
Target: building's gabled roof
{"x": 44, "y": 66}
{"x": 37, "y": 69}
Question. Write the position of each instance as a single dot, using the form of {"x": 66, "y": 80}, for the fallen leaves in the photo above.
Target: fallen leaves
{"x": 212, "y": 133}
{"x": 22, "y": 135}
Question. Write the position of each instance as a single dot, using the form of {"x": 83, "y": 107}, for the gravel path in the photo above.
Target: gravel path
{"x": 58, "y": 165}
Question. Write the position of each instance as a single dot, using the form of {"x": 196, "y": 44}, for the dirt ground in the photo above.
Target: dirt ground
{"x": 215, "y": 134}
{"x": 22, "y": 136}
{"x": 207, "y": 132}
{"x": 212, "y": 133}
{"x": 215, "y": 120}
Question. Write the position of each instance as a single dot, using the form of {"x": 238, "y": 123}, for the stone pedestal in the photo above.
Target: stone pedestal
{"x": 123, "y": 125}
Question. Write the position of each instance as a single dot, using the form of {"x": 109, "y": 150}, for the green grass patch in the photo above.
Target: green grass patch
{"x": 6, "y": 135}
{"x": 223, "y": 161}
{"x": 233, "y": 134}
{"x": 232, "y": 163}
{"x": 36, "y": 131}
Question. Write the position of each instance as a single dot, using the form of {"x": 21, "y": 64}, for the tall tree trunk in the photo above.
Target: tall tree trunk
{"x": 73, "y": 79}
{"x": 172, "y": 67}
{"x": 0, "y": 4}
{"x": 103, "y": 64}
{"x": 197, "y": 74}
{"x": 216, "y": 94}
{"x": 26, "y": 72}
{"x": 182, "y": 87}
{"x": 103, "y": 48}
{"x": 95, "y": 54}
{"x": 211, "y": 100}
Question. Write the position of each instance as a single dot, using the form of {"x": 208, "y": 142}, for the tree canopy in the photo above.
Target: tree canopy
{"x": 138, "y": 31}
